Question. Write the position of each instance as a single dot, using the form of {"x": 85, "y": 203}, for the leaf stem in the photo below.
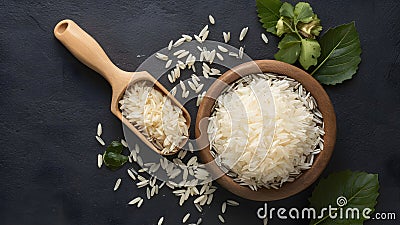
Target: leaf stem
{"x": 330, "y": 53}
{"x": 291, "y": 29}
{"x": 340, "y": 207}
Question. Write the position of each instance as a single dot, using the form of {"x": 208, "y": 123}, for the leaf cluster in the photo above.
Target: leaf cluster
{"x": 331, "y": 60}
{"x": 113, "y": 157}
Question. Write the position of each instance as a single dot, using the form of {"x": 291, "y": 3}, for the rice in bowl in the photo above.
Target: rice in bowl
{"x": 265, "y": 138}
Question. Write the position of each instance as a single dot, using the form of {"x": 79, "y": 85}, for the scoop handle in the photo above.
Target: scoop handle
{"x": 86, "y": 49}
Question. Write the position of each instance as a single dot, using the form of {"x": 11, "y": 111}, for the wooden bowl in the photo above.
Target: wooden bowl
{"x": 324, "y": 105}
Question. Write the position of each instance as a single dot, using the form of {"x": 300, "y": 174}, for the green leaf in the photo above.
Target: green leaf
{"x": 115, "y": 147}
{"x": 112, "y": 157}
{"x": 359, "y": 188}
{"x": 303, "y": 12}
{"x": 340, "y": 55}
{"x": 287, "y": 10}
{"x": 114, "y": 160}
{"x": 289, "y": 49}
{"x": 283, "y": 26}
{"x": 310, "y": 51}
{"x": 311, "y": 29}
{"x": 268, "y": 12}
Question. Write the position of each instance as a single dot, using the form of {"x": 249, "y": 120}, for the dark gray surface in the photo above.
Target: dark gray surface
{"x": 51, "y": 104}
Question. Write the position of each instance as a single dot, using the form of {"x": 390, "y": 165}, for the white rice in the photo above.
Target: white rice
{"x": 99, "y": 130}
{"x": 233, "y": 54}
{"x": 241, "y": 51}
{"x": 191, "y": 85}
{"x": 179, "y": 42}
{"x": 181, "y": 65}
{"x": 203, "y": 31}
{"x": 123, "y": 142}
{"x": 199, "y": 88}
{"x": 222, "y": 49}
{"x": 130, "y": 173}
{"x": 155, "y": 116}
{"x": 170, "y": 79}
{"x": 187, "y": 37}
{"x": 161, "y": 56}
{"x": 168, "y": 64}
{"x": 212, "y": 56}
{"x": 100, "y": 140}
{"x": 220, "y": 57}
{"x": 232, "y": 202}
{"x": 227, "y": 36}
{"x": 117, "y": 184}
{"x": 205, "y": 35}
{"x": 148, "y": 193}
{"x": 283, "y": 125}
{"x": 185, "y": 218}
{"x": 198, "y": 38}
{"x": 183, "y": 54}
{"x": 215, "y": 71}
{"x": 211, "y": 18}
{"x": 140, "y": 203}
{"x": 199, "y": 208}
{"x": 243, "y": 33}
{"x": 223, "y": 208}
{"x": 135, "y": 200}
{"x": 210, "y": 198}
{"x": 170, "y": 45}
{"x": 99, "y": 160}
{"x": 264, "y": 38}
{"x": 179, "y": 52}
{"x": 160, "y": 221}
{"x": 221, "y": 219}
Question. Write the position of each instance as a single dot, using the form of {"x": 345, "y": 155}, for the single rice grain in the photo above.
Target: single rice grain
{"x": 185, "y": 218}
{"x": 221, "y": 219}
{"x": 100, "y": 140}
{"x": 99, "y": 160}
{"x": 211, "y": 18}
{"x": 243, "y": 33}
{"x": 99, "y": 130}
{"x": 117, "y": 184}
{"x": 264, "y": 38}
{"x": 160, "y": 221}
{"x": 135, "y": 200}
{"x": 168, "y": 64}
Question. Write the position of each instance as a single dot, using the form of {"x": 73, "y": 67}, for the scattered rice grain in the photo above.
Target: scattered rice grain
{"x": 223, "y": 208}
{"x": 168, "y": 64}
{"x": 161, "y": 56}
{"x": 160, "y": 221}
{"x": 99, "y": 129}
{"x": 264, "y": 38}
{"x": 185, "y": 218}
{"x": 99, "y": 160}
{"x": 243, "y": 33}
{"x": 100, "y": 140}
{"x": 117, "y": 184}
{"x": 221, "y": 219}
{"x": 211, "y": 18}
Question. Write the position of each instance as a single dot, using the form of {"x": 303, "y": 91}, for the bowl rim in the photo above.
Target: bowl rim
{"x": 309, "y": 176}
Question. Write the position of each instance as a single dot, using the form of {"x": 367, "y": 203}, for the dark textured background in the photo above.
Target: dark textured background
{"x": 51, "y": 104}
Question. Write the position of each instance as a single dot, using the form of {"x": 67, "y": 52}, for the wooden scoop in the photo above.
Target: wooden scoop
{"x": 89, "y": 52}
